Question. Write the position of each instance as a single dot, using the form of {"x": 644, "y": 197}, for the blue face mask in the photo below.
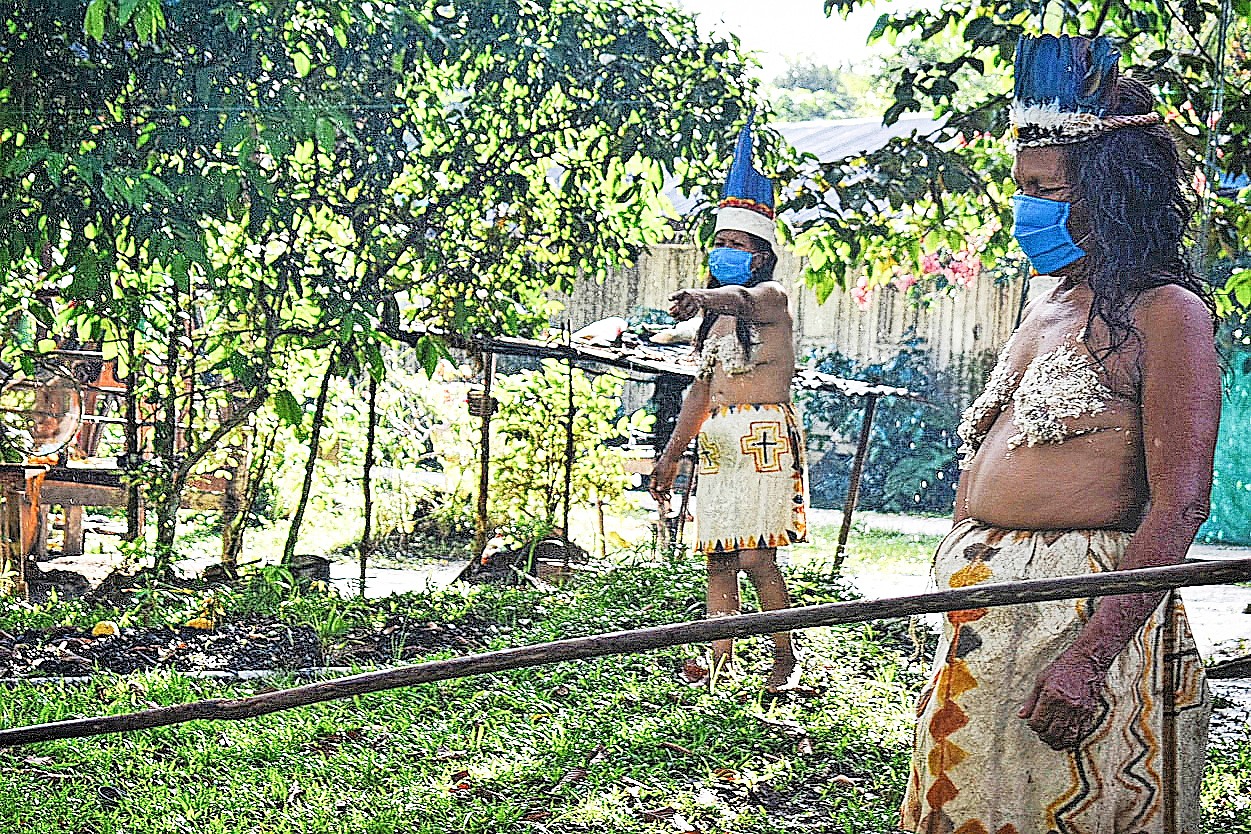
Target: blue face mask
{"x": 730, "y": 266}
{"x": 1041, "y": 228}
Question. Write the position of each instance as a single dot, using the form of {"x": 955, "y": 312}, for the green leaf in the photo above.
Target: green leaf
{"x": 303, "y": 64}
{"x": 45, "y": 345}
{"x": 288, "y": 409}
{"x": 325, "y": 134}
{"x": 144, "y": 28}
{"x": 242, "y": 371}
{"x": 24, "y": 160}
{"x": 93, "y": 23}
{"x": 126, "y": 8}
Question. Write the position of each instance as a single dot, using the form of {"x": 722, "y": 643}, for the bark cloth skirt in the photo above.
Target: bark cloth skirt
{"x": 752, "y": 490}
{"x": 979, "y": 769}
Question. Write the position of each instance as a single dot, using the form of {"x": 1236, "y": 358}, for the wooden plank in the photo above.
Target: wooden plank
{"x": 81, "y": 495}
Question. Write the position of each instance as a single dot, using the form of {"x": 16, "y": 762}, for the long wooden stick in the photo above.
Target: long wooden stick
{"x": 1140, "y": 581}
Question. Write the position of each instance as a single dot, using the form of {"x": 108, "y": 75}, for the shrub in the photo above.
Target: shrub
{"x": 911, "y": 462}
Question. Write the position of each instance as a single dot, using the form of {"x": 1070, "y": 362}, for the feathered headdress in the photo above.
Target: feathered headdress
{"x": 747, "y": 199}
{"x": 1064, "y": 88}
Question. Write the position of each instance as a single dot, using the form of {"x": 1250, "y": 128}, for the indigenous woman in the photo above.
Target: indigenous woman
{"x": 1089, "y": 450}
{"x": 752, "y": 491}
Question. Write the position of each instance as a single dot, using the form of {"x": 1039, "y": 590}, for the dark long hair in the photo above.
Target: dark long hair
{"x": 762, "y": 266}
{"x": 1140, "y": 209}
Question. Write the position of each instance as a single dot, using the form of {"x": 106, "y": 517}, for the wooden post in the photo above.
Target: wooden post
{"x": 853, "y": 481}
{"x": 569, "y": 451}
{"x": 1110, "y": 583}
{"x": 484, "y": 454}
{"x": 371, "y": 435}
{"x": 72, "y": 544}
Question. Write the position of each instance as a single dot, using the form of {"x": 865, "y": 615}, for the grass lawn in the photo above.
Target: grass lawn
{"x": 613, "y": 745}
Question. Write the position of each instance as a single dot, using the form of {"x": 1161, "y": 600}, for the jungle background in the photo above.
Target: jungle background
{"x": 286, "y": 222}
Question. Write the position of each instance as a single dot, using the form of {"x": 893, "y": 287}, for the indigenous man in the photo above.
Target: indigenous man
{"x": 751, "y": 451}
{"x": 1089, "y": 450}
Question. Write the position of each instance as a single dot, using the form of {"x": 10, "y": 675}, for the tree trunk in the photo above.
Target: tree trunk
{"x": 255, "y": 477}
{"x": 366, "y": 482}
{"x": 166, "y": 441}
{"x": 314, "y": 441}
{"x": 235, "y": 500}
{"x": 600, "y": 533}
{"x": 134, "y": 453}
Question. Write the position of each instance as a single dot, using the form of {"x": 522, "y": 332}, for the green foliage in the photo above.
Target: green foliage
{"x": 808, "y": 90}
{"x": 528, "y": 459}
{"x": 911, "y": 461}
{"x": 920, "y": 194}
{"x": 224, "y": 188}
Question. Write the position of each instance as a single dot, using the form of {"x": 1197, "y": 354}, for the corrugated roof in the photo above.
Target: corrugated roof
{"x": 833, "y": 139}
{"x": 829, "y": 140}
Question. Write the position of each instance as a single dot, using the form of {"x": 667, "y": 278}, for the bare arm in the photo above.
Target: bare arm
{"x": 764, "y": 303}
{"x": 694, "y": 411}
{"x": 1180, "y": 413}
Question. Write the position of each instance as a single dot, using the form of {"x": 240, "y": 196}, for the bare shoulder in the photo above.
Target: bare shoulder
{"x": 769, "y": 302}
{"x": 1172, "y": 309}
{"x": 769, "y": 292}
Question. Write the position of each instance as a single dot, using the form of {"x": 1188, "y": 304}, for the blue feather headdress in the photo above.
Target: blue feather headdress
{"x": 1064, "y": 88}
{"x": 747, "y": 199}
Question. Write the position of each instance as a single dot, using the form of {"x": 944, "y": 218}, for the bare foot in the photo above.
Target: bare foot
{"x": 785, "y": 674}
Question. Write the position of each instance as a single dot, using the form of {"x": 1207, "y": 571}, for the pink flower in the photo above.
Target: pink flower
{"x": 905, "y": 281}
{"x": 861, "y": 293}
{"x": 930, "y": 263}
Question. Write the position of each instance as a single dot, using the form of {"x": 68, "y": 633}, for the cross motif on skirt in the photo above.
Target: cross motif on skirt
{"x": 765, "y": 445}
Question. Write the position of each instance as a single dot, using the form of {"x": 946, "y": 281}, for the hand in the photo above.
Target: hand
{"x": 661, "y": 483}
{"x": 1064, "y": 705}
{"x": 685, "y": 304}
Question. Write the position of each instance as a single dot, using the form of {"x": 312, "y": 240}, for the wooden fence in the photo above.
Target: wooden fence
{"x": 962, "y": 333}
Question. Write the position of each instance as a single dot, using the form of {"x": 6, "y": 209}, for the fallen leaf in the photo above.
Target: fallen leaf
{"x": 658, "y": 814}
{"x": 844, "y": 781}
{"x": 597, "y": 755}
{"x": 560, "y": 691}
{"x": 202, "y": 623}
{"x": 693, "y": 671}
{"x": 537, "y": 815}
{"x": 575, "y": 775}
{"x": 677, "y": 748}
{"x": 106, "y": 628}
{"x": 679, "y": 822}
{"x": 725, "y": 774}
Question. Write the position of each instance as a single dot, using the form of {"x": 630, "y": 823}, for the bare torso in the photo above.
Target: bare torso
{"x": 763, "y": 375}
{"x": 1057, "y": 436}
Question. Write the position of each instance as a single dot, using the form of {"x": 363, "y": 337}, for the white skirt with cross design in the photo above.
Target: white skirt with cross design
{"x": 752, "y": 479}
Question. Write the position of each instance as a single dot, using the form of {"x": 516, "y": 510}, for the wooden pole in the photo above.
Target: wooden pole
{"x": 371, "y": 435}
{"x": 484, "y": 454}
{"x": 1140, "y": 581}
{"x": 569, "y": 451}
{"x": 853, "y": 480}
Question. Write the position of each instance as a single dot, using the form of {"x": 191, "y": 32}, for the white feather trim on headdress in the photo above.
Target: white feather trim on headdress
{"x": 1039, "y": 125}
{"x": 746, "y": 220}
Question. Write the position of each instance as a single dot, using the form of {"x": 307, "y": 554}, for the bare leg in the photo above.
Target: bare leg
{"x": 762, "y": 569}
{"x": 722, "y": 599}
